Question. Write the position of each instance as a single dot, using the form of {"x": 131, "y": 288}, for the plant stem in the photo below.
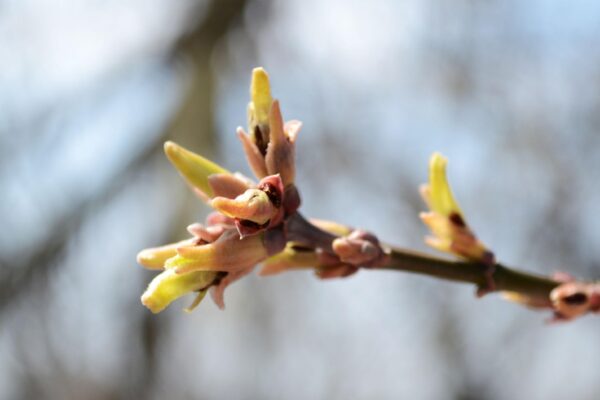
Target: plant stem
{"x": 536, "y": 288}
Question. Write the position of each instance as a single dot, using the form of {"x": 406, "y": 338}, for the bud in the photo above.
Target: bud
{"x": 574, "y": 299}
{"x": 360, "y": 248}
{"x": 269, "y": 146}
{"x": 194, "y": 168}
{"x": 168, "y": 286}
{"x": 256, "y": 209}
{"x": 253, "y": 205}
{"x": 259, "y": 108}
{"x": 451, "y": 233}
{"x": 440, "y": 199}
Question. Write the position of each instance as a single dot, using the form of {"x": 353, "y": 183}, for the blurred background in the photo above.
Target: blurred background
{"x": 90, "y": 89}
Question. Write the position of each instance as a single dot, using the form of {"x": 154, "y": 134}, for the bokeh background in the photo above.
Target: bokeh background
{"x": 89, "y": 90}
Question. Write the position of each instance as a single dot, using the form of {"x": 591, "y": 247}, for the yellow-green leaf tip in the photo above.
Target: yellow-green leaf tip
{"x": 260, "y": 95}
{"x": 440, "y": 195}
{"x": 169, "y": 286}
{"x": 193, "y": 167}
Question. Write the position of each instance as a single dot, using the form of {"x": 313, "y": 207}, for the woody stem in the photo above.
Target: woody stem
{"x": 535, "y": 287}
{"x": 302, "y": 231}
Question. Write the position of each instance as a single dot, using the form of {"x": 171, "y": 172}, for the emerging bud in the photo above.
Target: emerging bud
{"x": 168, "y": 286}
{"x": 269, "y": 146}
{"x": 574, "y": 299}
{"x": 256, "y": 209}
{"x": 450, "y": 231}
{"x": 440, "y": 198}
{"x": 258, "y": 109}
{"x": 360, "y": 248}
{"x": 253, "y": 205}
{"x": 194, "y": 168}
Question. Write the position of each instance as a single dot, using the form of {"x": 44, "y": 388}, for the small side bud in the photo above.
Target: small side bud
{"x": 574, "y": 299}
{"x": 360, "y": 248}
{"x": 258, "y": 109}
{"x": 451, "y": 233}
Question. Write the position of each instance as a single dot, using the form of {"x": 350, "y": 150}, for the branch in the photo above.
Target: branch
{"x": 259, "y": 223}
{"x": 535, "y": 287}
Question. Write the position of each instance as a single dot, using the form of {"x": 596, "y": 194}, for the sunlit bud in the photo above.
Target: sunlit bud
{"x": 256, "y": 209}
{"x": 573, "y": 299}
{"x": 253, "y": 205}
{"x": 258, "y": 109}
{"x": 228, "y": 253}
{"x": 168, "y": 286}
{"x": 451, "y": 233}
{"x": 280, "y": 152}
{"x": 194, "y": 168}
{"x": 360, "y": 248}
{"x": 155, "y": 257}
{"x": 440, "y": 199}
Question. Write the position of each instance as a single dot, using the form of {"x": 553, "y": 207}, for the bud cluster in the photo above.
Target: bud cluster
{"x": 253, "y": 222}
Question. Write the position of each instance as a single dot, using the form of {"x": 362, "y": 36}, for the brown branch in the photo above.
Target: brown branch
{"x": 535, "y": 287}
